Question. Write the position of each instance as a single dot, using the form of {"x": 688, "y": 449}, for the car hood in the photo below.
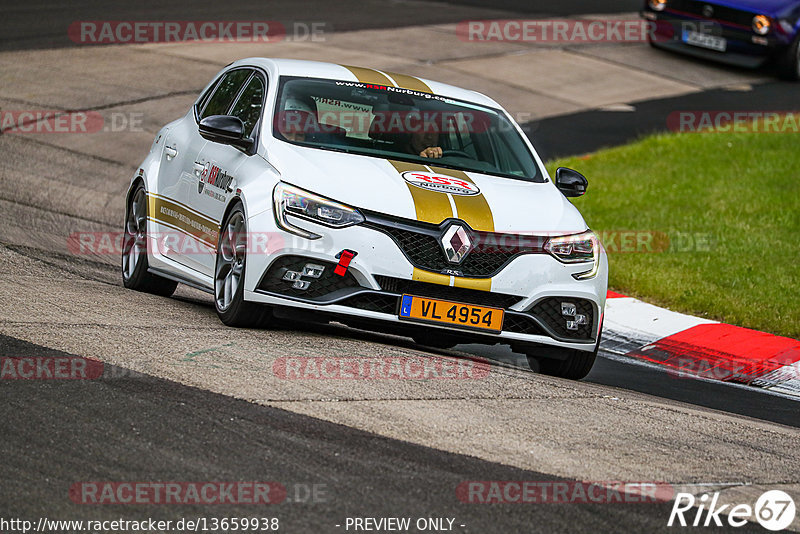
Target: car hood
{"x": 377, "y": 184}
{"x": 771, "y": 7}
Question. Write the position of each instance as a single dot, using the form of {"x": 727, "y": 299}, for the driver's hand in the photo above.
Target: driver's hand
{"x": 432, "y": 152}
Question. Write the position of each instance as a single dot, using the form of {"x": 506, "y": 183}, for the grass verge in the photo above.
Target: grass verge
{"x": 705, "y": 224}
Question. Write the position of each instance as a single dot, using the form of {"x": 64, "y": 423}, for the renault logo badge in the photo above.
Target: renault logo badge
{"x": 456, "y": 243}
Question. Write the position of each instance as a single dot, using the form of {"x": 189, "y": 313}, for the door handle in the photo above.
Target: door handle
{"x": 171, "y": 151}
{"x": 199, "y": 168}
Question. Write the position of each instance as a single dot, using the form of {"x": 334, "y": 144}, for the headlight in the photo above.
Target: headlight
{"x": 577, "y": 248}
{"x": 658, "y": 5}
{"x": 761, "y": 24}
{"x": 291, "y": 200}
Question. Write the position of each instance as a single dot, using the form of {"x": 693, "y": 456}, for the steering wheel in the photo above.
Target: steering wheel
{"x": 457, "y": 153}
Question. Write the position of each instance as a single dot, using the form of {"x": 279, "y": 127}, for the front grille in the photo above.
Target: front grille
{"x": 455, "y": 294}
{"x": 420, "y": 242}
{"x": 323, "y": 288}
{"x": 372, "y": 301}
{"x": 549, "y": 311}
{"x": 521, "y": 324}
{"x": 723, "y": 13}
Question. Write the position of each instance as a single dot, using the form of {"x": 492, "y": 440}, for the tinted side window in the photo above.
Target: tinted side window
{"x": 226, "y": 91}
{"x": 248, "y": 107}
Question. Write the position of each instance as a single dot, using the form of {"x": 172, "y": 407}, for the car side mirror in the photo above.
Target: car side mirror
{"x": 571, "y": 183}
{"x": 227, "y": 130}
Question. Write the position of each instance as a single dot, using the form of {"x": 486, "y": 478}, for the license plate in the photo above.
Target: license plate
{"x": 703, "y": 40}
{"x": 453, "y": 313}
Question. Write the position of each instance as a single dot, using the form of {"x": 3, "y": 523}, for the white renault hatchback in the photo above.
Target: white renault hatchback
{"x": 298, "y": 189}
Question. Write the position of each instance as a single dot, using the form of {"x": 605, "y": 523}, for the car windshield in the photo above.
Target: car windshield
{"x": 396, "y": 123}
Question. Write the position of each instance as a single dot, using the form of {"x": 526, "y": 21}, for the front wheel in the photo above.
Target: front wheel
{"x": 436, "y": 340}
{"x": 576, "y": 365}
{"x": 789, "y": 63}
{"x": 134, "y": 250}
{"x": 229, "y": 301}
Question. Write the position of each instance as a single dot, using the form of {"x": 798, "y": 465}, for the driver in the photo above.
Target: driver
{"x": 297, "y": 119}
{"x": 425, "y": 144}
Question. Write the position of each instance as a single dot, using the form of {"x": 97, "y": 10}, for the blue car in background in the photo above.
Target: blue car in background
{"x": 747, "y": 33}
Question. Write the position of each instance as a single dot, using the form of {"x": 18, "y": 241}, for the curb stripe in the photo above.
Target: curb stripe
{"x": 691, "y": 347}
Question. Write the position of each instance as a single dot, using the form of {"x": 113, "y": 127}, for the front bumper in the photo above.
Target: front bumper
{"x": 744, "y": 47}
{"x": 529, "y": 287}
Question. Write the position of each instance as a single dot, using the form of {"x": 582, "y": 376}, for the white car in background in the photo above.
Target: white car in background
{"x": 315, "y": 191}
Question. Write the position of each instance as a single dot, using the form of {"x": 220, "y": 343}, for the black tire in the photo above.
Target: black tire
{"x": 229, "y": 268}
{"x": 134, "y": 249}
{"x": 789, "y": 62}
{"x": 575, "y": 366}
{"x": 435, "y": 340}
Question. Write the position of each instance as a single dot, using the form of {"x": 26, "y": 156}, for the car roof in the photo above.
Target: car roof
{"x": 319, "y": 69}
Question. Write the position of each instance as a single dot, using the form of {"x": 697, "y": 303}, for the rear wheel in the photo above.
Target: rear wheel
{"x": 789, "y": 63}
{"x": 229, "y": 270}
{"x": 134, "y": 250}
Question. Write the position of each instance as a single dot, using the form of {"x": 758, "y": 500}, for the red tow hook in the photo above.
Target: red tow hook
{"x": 345, "y": 257}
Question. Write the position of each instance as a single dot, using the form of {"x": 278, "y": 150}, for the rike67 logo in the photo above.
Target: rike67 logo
{"x": 774, "y": 510}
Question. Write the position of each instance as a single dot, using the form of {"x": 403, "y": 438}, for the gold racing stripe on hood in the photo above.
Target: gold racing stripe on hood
{"x": 473, "y": 210}
{"x": 369, "y": 76}
{"x": 390, "y": 79}
{"x": 434, "y": 207}
{"x": 431, "y": 207}
{"x": 410, "y": 82}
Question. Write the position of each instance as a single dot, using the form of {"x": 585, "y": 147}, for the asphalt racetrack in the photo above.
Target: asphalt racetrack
{"x": 183, "y": 398}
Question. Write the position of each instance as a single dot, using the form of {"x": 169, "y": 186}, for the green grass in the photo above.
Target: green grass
{"x": 738, "y": 193}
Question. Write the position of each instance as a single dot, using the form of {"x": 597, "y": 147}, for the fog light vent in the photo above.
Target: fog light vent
{"x": 291, "y": 276}
{"x": 312, "y": 270}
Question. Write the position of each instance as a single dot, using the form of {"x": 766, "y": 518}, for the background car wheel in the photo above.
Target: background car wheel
{"x": 134, "y": 250}
{"x": 789, "y": 63}
{"x": 229, "y": 301}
